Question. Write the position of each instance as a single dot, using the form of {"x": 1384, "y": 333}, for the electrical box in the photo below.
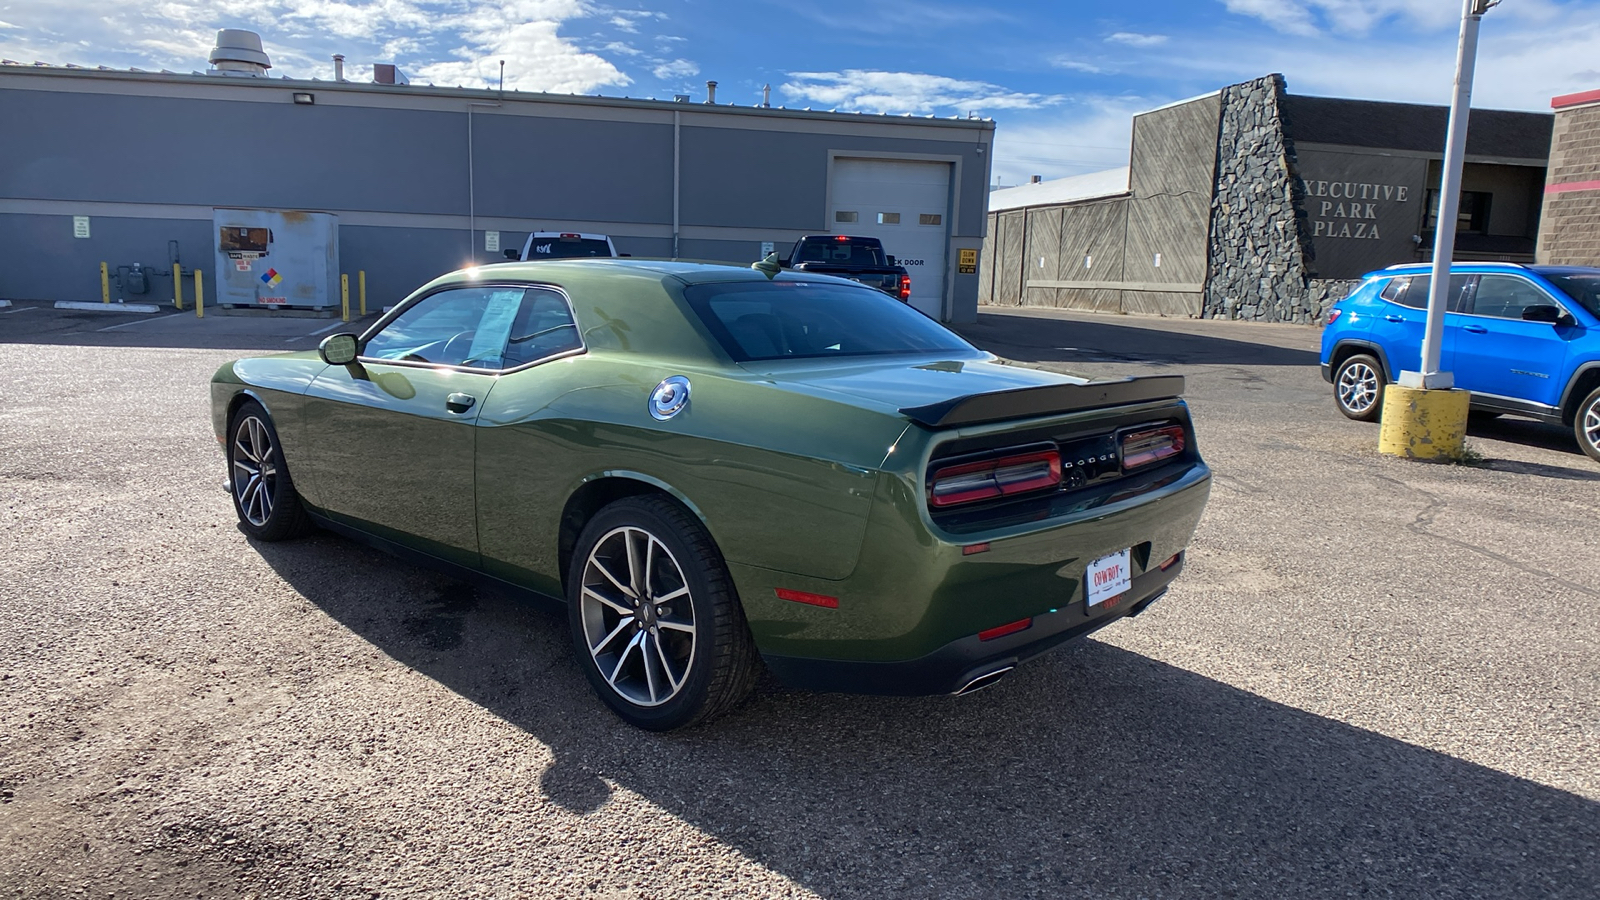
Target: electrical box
{"x": 276, "y": 259}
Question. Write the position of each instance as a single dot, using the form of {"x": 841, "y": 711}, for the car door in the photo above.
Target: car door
{"x": 1500, "y": 354}
{"x": 1399, "y": 325}
{"x": 392, "y": 437}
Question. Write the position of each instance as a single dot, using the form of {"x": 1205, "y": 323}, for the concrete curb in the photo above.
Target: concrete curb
{"x": 4, "y": 303}
{"x": 108, "y": 307}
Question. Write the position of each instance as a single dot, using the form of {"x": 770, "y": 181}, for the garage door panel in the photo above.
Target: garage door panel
{"x": 905, "y": 204}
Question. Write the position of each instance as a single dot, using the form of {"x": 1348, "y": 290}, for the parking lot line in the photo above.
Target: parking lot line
{"x": 138, "y": 322}
{"x": 16, "y": 309}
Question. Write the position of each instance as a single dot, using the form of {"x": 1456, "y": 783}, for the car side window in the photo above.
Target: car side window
{"x": 543, "y": 328}
{"x": 460, "y": 327}
{"x": 1506, "y": 296}
{"x": 1412, "y": 291}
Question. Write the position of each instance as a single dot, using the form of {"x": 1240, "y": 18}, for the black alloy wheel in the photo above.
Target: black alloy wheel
{"x": 655, "y": 620}
{"x": 263, "y": 493}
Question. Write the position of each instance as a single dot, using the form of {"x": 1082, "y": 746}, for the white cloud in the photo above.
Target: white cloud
{"x": 5, "y": 24}
{"x": 1363, "y": 17}
{"x": 675, "y": 69}
{"x": 1134, "y": 39}
{"x": 907, "y": 92}
{"x": 1076, "y": 65}
{"x": 444, "y": 41}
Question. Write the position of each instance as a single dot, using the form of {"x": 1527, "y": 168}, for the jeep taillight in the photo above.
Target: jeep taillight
{"x": 1333, "y": 315}
{"x": 1151, "y": 445}
{"x": 1018, "y": 473}
{"x": 905, "y": 287}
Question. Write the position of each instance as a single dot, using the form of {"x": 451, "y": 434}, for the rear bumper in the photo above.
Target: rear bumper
{"x": 959, "y": 663}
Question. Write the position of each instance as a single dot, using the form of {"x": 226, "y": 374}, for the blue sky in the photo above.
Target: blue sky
{"x": 1062, "y": 78}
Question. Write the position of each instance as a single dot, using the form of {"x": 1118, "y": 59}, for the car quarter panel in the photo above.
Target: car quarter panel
{"x": 279, "y": 384}
{"x": 781, "y": 479}
{"x": 916, "y": 590}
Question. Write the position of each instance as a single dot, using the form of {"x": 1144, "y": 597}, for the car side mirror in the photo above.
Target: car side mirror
{"x": 513, "y": 253}
{"x": 1542, "y": 313}
{"x": 339, "y": 349}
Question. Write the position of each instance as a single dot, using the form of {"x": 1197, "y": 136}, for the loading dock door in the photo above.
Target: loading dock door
{"x": 906, "y": 205}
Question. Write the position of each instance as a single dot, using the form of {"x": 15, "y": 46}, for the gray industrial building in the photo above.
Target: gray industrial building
{"x": 134, "y": 168}
{"x": 1253, "y": 203}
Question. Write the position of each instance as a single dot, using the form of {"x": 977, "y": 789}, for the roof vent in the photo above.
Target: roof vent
{"x": 239, "y": 53}
{"x": 388, "y": 73}
{"x": 1035, "y": 179}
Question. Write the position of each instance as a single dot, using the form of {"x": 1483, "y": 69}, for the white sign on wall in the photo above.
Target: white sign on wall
{"x": 80, "y": 226}
{"x": 766, "y": 247}
{"x": 491, "y": 241}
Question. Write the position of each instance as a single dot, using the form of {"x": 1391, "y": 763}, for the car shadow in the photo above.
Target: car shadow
{"x": 1041, "y": 339}
{"x": 1531, "y": 433}
{"x": 1092, "y": 772}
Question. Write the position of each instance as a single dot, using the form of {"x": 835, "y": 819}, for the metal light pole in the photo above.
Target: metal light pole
{"x": 1444, "y": 238}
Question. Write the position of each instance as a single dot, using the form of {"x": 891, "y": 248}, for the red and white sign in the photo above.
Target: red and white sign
{"x": 1108, "y": 576}
{"x": 274, "y": 301}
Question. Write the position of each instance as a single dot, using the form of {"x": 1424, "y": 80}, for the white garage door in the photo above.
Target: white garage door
{"x": 907, "y": 206}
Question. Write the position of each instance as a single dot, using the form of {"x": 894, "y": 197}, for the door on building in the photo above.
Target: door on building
{"x": 1500, "y": 353}
{"x": 394, "y": 436}
{"x": 905, "y": 204}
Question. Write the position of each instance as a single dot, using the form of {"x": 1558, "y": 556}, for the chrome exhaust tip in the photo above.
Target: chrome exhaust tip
{"x": 982, "y": 681}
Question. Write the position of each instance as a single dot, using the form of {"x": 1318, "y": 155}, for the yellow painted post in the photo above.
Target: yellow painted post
{"x": 177, "y": 286}
{"x": 199, "y": 294}
{"x": 344, "y": 296}
{"x": 361, "y": 279}
{"x": 1423, "y": 424}
{"x": 105, "y": 284}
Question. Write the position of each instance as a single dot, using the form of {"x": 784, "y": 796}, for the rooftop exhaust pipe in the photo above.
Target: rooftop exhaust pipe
{"x": 1035, "y": 179}
{"x": 338, "y": 67}
{"x": 239, "y": 52}
{"x": 711, "y": 92}
{"x": 766, "y": 96}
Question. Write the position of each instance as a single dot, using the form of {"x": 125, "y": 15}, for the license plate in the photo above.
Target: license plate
{"x": 1109, "y": 576}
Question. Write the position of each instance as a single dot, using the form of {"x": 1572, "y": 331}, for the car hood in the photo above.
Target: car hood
{"x": 905, "y": 382}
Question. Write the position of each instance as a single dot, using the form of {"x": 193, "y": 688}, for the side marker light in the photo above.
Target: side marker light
{"x": 970, "y": 549}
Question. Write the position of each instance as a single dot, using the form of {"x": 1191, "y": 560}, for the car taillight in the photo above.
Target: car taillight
{"x": 998, "y": 477}
{"x": 1333, "y": 315}
{"x": 1141, "y": 448}
{"x": 905, "y": 287}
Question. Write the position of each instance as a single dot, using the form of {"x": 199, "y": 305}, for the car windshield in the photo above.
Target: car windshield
{"x": 802, "y": 319}
{"x": 1583, "y": 287}
{"x": 567, "y": 248}
{"x": 847, "y": 252}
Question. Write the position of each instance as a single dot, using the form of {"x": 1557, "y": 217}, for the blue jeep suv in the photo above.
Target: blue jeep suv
{"x": 1525, "y": 340}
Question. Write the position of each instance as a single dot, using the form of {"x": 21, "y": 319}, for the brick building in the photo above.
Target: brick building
{"x": 1569, "y": 232}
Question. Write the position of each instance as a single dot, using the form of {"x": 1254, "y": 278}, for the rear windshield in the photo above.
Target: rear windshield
{"x": 807, "y": 320}
{"x": 841, "y": 253}
{"x": 567, "y": 248}
{"x": 1584, "y": 287}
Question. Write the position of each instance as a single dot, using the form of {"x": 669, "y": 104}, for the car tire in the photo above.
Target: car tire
{"x": 263, "y": 492}
{"x": 684, "y": 657}
{"x": 1358, "y": 386}
{"x": 1586, "y": 424}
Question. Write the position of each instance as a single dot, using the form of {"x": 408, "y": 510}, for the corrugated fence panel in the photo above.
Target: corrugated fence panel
{"x": 1091, "y": 250}
{"x": 986, "y": 261}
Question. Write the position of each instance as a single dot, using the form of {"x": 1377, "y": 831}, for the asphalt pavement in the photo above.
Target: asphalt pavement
{"x": 1375, "y": 678}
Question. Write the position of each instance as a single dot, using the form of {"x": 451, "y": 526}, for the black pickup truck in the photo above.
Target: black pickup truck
{"x": 856, "y": 258}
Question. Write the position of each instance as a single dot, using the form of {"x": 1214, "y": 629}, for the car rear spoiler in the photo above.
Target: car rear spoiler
{"x": 1024, "y": 403}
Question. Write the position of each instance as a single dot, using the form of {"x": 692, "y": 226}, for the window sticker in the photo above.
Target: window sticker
{"x": 494, "y": 329}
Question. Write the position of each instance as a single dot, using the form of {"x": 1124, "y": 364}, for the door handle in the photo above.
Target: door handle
{"x": 459, "y": 403}
{"x": 1475, "y": 329}
{"x": 1394, "y": 318}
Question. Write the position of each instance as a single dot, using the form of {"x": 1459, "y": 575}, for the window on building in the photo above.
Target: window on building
{"x": 888, "y": 218}
{"x": 846, "y": 215}
{"x": 1471, "y": 218}
{"x": 930, "y": 219}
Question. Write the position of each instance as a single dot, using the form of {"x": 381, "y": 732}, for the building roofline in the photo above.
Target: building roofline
{"x": 1582, "y": 98}
{"x": 9, "y": 67}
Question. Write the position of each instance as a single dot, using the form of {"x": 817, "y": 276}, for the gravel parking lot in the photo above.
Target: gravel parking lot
{"x": 1375, "y": 678}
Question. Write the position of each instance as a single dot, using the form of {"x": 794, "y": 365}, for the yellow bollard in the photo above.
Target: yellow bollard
{"x": 177, "y": 286}
{"x": 1423, "y": 424}
{"x": 199, "y": 295}
{"x": 105, "y": 285}
{"x": 361, "y": 279}
{"x": 344, "y": 296}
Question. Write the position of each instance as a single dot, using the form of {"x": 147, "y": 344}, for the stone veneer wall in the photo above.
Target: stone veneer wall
{"x": 1260, "y": 242}
{"x": 1569, "y": 230}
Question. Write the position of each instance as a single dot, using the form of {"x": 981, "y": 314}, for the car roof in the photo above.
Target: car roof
{"x": 588, "y": 236}
{"x": 601, "y": 267}
{"x": 1480, "y": 266}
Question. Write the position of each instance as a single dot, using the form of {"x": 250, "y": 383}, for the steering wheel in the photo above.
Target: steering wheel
{"x": 457, "y": 348}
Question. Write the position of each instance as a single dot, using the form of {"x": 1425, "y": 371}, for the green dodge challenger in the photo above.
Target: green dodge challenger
{"x": 721, "y": 468}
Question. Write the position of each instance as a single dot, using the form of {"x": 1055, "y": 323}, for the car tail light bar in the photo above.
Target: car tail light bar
{"x": 1334, "y": 314}
{"x": 905, "y": 287}
{"x": 1002, "y": 476}
{"x": 1151, "y": 445}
